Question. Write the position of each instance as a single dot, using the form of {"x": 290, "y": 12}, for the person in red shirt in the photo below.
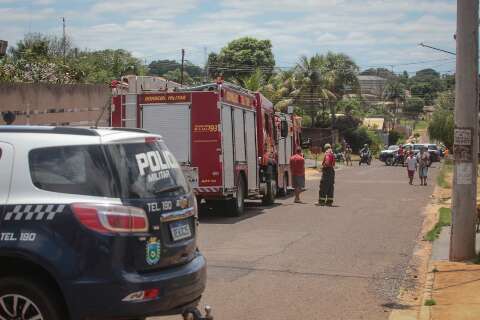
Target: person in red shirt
{"x": 297, "y": 168}
{"x": 327, "y": 182}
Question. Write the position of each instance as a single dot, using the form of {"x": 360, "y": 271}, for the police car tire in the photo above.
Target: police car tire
{"x": 40, "y": 294}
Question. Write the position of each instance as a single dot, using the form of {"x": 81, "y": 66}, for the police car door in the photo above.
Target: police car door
{"x": 6, "y": 166}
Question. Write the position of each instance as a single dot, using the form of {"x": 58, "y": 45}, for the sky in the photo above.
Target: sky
{"x": 375, "y": 33}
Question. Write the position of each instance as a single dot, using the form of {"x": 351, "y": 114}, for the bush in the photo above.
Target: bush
{"x": 393, "y": 137}
{"x": 356, "y": 138}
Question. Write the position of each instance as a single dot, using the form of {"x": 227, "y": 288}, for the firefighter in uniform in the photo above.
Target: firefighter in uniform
{"x": 328, "y": 178}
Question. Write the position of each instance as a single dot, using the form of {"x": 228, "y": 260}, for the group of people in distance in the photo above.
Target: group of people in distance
{"x": 421, "y": 162}
{"x": 327, "y": 182}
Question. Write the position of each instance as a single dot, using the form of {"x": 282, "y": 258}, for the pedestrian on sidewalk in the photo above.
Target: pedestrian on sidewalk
{"x": 423, "y": 159}
{"x": 411, "y": 166}
{"x": 297, "y": 168}
{"x": 327, "y": 182}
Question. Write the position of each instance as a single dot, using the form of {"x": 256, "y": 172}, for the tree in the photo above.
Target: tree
{"x": 242, "y": 57}
{"x": 340, "y": 73}
{"x": 161, "y": 67}
{"x": 379, "y": 72}
{"x": 312, "y": 92}
{"x": 426, "y": 84}
{"x": 176, "y": 76}
{"x": 414, "y": 106}
{"x": 105, "y": 65}
{"x": 442, "y": 125}
{"x": 394, "y": 91}
{"x": 351, "y": 106}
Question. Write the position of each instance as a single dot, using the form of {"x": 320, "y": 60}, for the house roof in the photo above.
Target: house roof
{"x": 371, "y": 78}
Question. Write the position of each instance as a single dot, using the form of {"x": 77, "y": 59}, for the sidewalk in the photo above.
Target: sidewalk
{"x": 453, "y": 288}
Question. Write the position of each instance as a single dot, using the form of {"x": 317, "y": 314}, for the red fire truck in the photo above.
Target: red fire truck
{"x": 230, "y": 142}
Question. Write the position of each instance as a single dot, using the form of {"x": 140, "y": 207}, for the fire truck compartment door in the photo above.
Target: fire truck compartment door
{"x": 282, "y": 151}
{"x": 239, "y": 128}
{"x": 251, "y": 143}
{"x": 227, "y": 147}
{"x": 172, "y": 122}
{"x": 288, "y": 148}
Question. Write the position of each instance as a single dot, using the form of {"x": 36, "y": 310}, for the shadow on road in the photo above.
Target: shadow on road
{"x": 252, "y": 209}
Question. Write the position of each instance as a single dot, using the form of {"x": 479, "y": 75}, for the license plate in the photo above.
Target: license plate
{"x": 191, "y": 174}
{"x": 180, "y": 230}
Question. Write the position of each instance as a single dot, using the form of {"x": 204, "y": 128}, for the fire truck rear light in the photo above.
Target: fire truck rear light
{"x": 108, "y": 218}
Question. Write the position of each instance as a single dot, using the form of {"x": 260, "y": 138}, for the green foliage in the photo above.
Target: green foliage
{"x": 442, "y": 125}
{"x": 356, "y": 138}
{"x": 376, "y": 144}
{"x": 254, "y": 81}
{"x": 160, "y": 68}
{"x": 394, "y": 137}
{"x": 351, "y": 106}
{"x": 444, "y": 219}
{"x": 105, "y": 65}
{"x": 414, "y": 106}
{"x": 321, "y": 81}
{"x": 380, "y": 72}
{"x": 447, "y": 168}
{"x": 430, "y": 302}
{"x": 176, "y": 76}
{"x": 242, "y": 57}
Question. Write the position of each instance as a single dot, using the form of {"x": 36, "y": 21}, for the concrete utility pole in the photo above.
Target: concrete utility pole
{"x": 462, "y": 241}
{"x": 64, "y": 40}
{"x": 183, "y": 62}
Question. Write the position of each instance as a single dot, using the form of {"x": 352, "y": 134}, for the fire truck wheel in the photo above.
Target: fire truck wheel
{"x": 269, "y": 198}
{"x": 236, "y": 206}
{"x": 283, "y": 191}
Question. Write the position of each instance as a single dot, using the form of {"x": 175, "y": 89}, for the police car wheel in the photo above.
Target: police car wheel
{"x": 25, "y": 299}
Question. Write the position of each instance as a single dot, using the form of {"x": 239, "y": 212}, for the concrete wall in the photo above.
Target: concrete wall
{"x": 52, "y": 104}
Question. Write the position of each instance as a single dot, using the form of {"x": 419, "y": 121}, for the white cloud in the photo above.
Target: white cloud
{"x": 372, "y": 31}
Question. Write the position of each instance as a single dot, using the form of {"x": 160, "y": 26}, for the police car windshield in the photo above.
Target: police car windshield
{"x": 146, "y": 170}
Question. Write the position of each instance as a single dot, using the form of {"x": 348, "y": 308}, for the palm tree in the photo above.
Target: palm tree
{"x": 395, "y": 92}
{"x": 312, "y": 91}
{"x": 341, "y": 76}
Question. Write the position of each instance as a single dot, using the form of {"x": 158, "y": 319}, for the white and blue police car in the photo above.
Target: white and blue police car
{"x": 94, "y": 224}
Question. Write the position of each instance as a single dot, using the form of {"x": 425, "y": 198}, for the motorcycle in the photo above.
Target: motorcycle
{"x": 365, "y": 157}
{"x": 395, "y": 160}
{"x": 339, "y": 157}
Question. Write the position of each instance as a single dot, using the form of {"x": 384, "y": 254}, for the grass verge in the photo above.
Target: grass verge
{"x": 447, "y": 168}
{"x": 445, "y": 219}
{"x": 430, "y": 302}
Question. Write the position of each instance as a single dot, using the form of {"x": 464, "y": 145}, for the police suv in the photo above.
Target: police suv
{"x": 94, "y": 224}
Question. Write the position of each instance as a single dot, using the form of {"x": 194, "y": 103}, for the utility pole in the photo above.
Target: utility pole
{"x": 64, "y": 41}
{"x": 462, "y": 241}
{"x": 205, "y": 80}
{"x": 183, "y": 63}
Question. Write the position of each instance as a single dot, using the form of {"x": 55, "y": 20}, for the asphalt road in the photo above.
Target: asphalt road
{"x": 300, "y": 261}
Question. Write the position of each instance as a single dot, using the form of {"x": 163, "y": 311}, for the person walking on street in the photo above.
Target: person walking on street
{"x": 297, "y": 168}
{"x": 411, "y": 166}
{"x": 328, "y": 178}
{"x": 423, "y": 159}
{"x": 348, "y": 155}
